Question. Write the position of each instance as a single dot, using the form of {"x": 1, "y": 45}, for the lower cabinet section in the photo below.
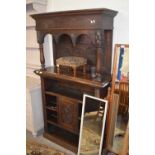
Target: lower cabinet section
{"x": 62, "y": 103}
{"x": 62, "y": 120}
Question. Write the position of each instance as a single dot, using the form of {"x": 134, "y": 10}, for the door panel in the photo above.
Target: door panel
{"x": 68, "y": 114}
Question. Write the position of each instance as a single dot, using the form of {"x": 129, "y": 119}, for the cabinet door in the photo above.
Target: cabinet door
{"x": 68, "y": 114}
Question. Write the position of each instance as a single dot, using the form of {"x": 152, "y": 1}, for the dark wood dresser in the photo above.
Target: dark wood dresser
{"x": 80, "y": 33}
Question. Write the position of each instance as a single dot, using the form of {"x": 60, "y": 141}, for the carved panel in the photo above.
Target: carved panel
{"x": 68, "y": 114}
{"x": 79, "y": 19}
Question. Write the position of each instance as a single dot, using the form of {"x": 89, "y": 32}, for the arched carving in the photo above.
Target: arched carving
{"x": 85, "y": 48}
{"x": 64, "y": 46}
{"x": 65, "y": 38}
{"x": 84, "y": 39}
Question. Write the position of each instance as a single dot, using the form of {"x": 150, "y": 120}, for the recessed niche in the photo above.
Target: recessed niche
{"x": 64, "y": 46}
{"x": 65, "y": 39}
{"x": 85, "y": 48}
{"x": 83, "y": 39}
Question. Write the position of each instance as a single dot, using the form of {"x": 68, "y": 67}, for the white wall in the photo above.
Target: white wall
{"x": 32, "y": 46}
{"x": 121, "y": 20}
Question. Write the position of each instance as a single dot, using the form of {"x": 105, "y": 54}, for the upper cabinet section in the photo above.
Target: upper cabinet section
{"x": 79, "y": 19}
{"x": 85, "y": 33}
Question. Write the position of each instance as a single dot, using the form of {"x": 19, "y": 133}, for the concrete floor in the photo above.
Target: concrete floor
{"x": 117, "y": 145}
{"x": 45, "y": 141}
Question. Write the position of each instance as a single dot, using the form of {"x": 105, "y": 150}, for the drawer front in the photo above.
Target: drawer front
{"x": 68, "y": 114}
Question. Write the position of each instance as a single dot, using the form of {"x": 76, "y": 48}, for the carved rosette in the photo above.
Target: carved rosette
{"x": 67, "y": 115}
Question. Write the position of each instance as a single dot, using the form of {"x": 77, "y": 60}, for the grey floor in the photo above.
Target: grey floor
{"x": 118, "y": 139}
{"x": 117, "y": 145}
{"x": 45, "y": 141}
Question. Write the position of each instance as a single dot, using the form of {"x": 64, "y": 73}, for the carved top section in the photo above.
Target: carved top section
{"x": 77, "y": 12}
{"x": 78, "y": 33}
{"x": 77, "y": 19}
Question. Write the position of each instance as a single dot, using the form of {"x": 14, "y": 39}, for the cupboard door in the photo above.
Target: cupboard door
{"x": 68, "y": 114}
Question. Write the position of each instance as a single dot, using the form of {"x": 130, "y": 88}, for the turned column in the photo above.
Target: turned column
{"x": 40, "y": 37}
{"x": 42, "y": 58}
{"x": 99, "y": 47}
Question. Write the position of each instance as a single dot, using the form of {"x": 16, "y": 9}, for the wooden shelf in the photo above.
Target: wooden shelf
{"x": 59, "y": 139}
{"x": 53, "y": 122}
{"x": 58, "y": 125}
{"x": 51, "y": 108}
